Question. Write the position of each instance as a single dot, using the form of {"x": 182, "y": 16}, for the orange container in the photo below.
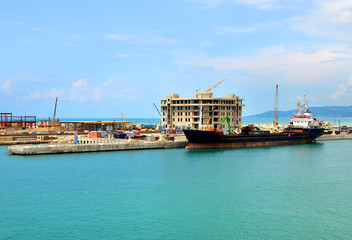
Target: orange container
{"x": 94, "y": 135}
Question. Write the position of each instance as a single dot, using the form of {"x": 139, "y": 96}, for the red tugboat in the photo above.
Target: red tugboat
{"x": 304, "y": 129}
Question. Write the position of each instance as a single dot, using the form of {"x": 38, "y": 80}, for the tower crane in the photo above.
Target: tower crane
{"x": 197, "y": 90}
{"x": 215, "y": 85}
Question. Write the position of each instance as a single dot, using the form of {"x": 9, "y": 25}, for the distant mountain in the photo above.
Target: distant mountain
{"x": 319, "y": 112}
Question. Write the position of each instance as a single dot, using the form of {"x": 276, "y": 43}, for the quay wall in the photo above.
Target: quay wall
{"x": 334, "y": 137}
{"x": 99, "y": 147}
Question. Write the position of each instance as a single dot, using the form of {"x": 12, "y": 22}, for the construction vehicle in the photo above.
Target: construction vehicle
{"x": 207, "y": 127}
{"x": 228, "y": 123}
{"x": 53, "y": 124}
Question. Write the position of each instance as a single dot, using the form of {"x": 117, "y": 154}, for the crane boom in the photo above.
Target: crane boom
{"x": 207, "y": 127}
{"x": 124, "y": 120}
{"x": 228, "y": 123}
{"x": 53, "y": 125}
{"x": 215, "y": 85}
{"x": 157, "y": 109}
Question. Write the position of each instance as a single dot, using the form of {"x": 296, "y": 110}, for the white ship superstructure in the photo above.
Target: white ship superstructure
{"x": 304, "y": 118}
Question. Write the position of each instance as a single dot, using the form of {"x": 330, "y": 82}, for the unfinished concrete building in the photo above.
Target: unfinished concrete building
{"x": 203, "y": 111}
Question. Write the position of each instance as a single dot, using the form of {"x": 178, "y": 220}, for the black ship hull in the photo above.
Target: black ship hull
{"x": 211, "y": 139}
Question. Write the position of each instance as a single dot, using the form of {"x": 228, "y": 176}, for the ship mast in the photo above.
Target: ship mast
{"x": 276, "y": 105}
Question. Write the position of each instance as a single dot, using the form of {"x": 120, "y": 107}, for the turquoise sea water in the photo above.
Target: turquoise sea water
{"x": 284, "y": 192}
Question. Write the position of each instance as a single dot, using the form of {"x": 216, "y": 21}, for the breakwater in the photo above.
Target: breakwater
{"x": 335, "y": 137}
{"x": 97, "y": 147}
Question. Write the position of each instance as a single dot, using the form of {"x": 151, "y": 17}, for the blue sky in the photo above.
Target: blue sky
{"x": 111, "y": 57}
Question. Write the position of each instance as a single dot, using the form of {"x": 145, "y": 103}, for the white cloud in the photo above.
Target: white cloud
{"x": 82, "y": 90}
{"x": 38, "y": 29}
{"x": 331, "y": 19}
{"x": 36, "y": 95}
{"x": 129, "y": 93}
{"x": 53, "y": 93}
{"x": 33, "y": 96}
{"x": 79, "y": 90}
{"x": 236, "y": 30}
{"x": 79, "y": 83}
{"x": 97, "y": 94}
{"x": 296, "y": 65}
{"x": 301, "y": 98}
{"x": 208, "y": 3}
{"x": 155, "y": 37}
{"x": 121, "y": 55}
{"x": 6, "y": 87}
{"x": 344, "y": 89}
{"x": 109, "y": 82}
{"x": 259, "y": 4}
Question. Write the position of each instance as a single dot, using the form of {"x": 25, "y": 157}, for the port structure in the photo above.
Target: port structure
{"x": 195, "y": 112}
{"x": 276, "y": 108}
{"x": 8, "y": 120}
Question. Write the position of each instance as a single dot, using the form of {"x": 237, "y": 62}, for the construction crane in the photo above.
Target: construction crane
{"x": 215, "y": 85}
{"x": 197, "y": 90}
{"x": 228, "y": 123}
{"x": 124, "y": 121}
{"x": 53, "y": 125}
{"x": 276, "y": 105}
{"x": 157, "y": 109}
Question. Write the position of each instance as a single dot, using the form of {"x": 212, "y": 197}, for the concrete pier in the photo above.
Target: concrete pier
{"x": 99, "y": 147}
{"x": 335, "y": 137}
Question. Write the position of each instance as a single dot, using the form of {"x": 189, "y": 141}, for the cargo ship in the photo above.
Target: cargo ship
{"x": 304, "y": 128}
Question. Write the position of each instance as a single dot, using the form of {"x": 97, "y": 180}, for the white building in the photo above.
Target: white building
{"x": 199, "y": 111}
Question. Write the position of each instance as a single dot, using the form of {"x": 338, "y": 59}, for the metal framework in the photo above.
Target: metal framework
{"x": 8, "y": 120}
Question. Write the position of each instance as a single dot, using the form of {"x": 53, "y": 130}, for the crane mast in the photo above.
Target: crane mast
{"x": 53, "y": 125}
{"x": 276, "y": 105}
